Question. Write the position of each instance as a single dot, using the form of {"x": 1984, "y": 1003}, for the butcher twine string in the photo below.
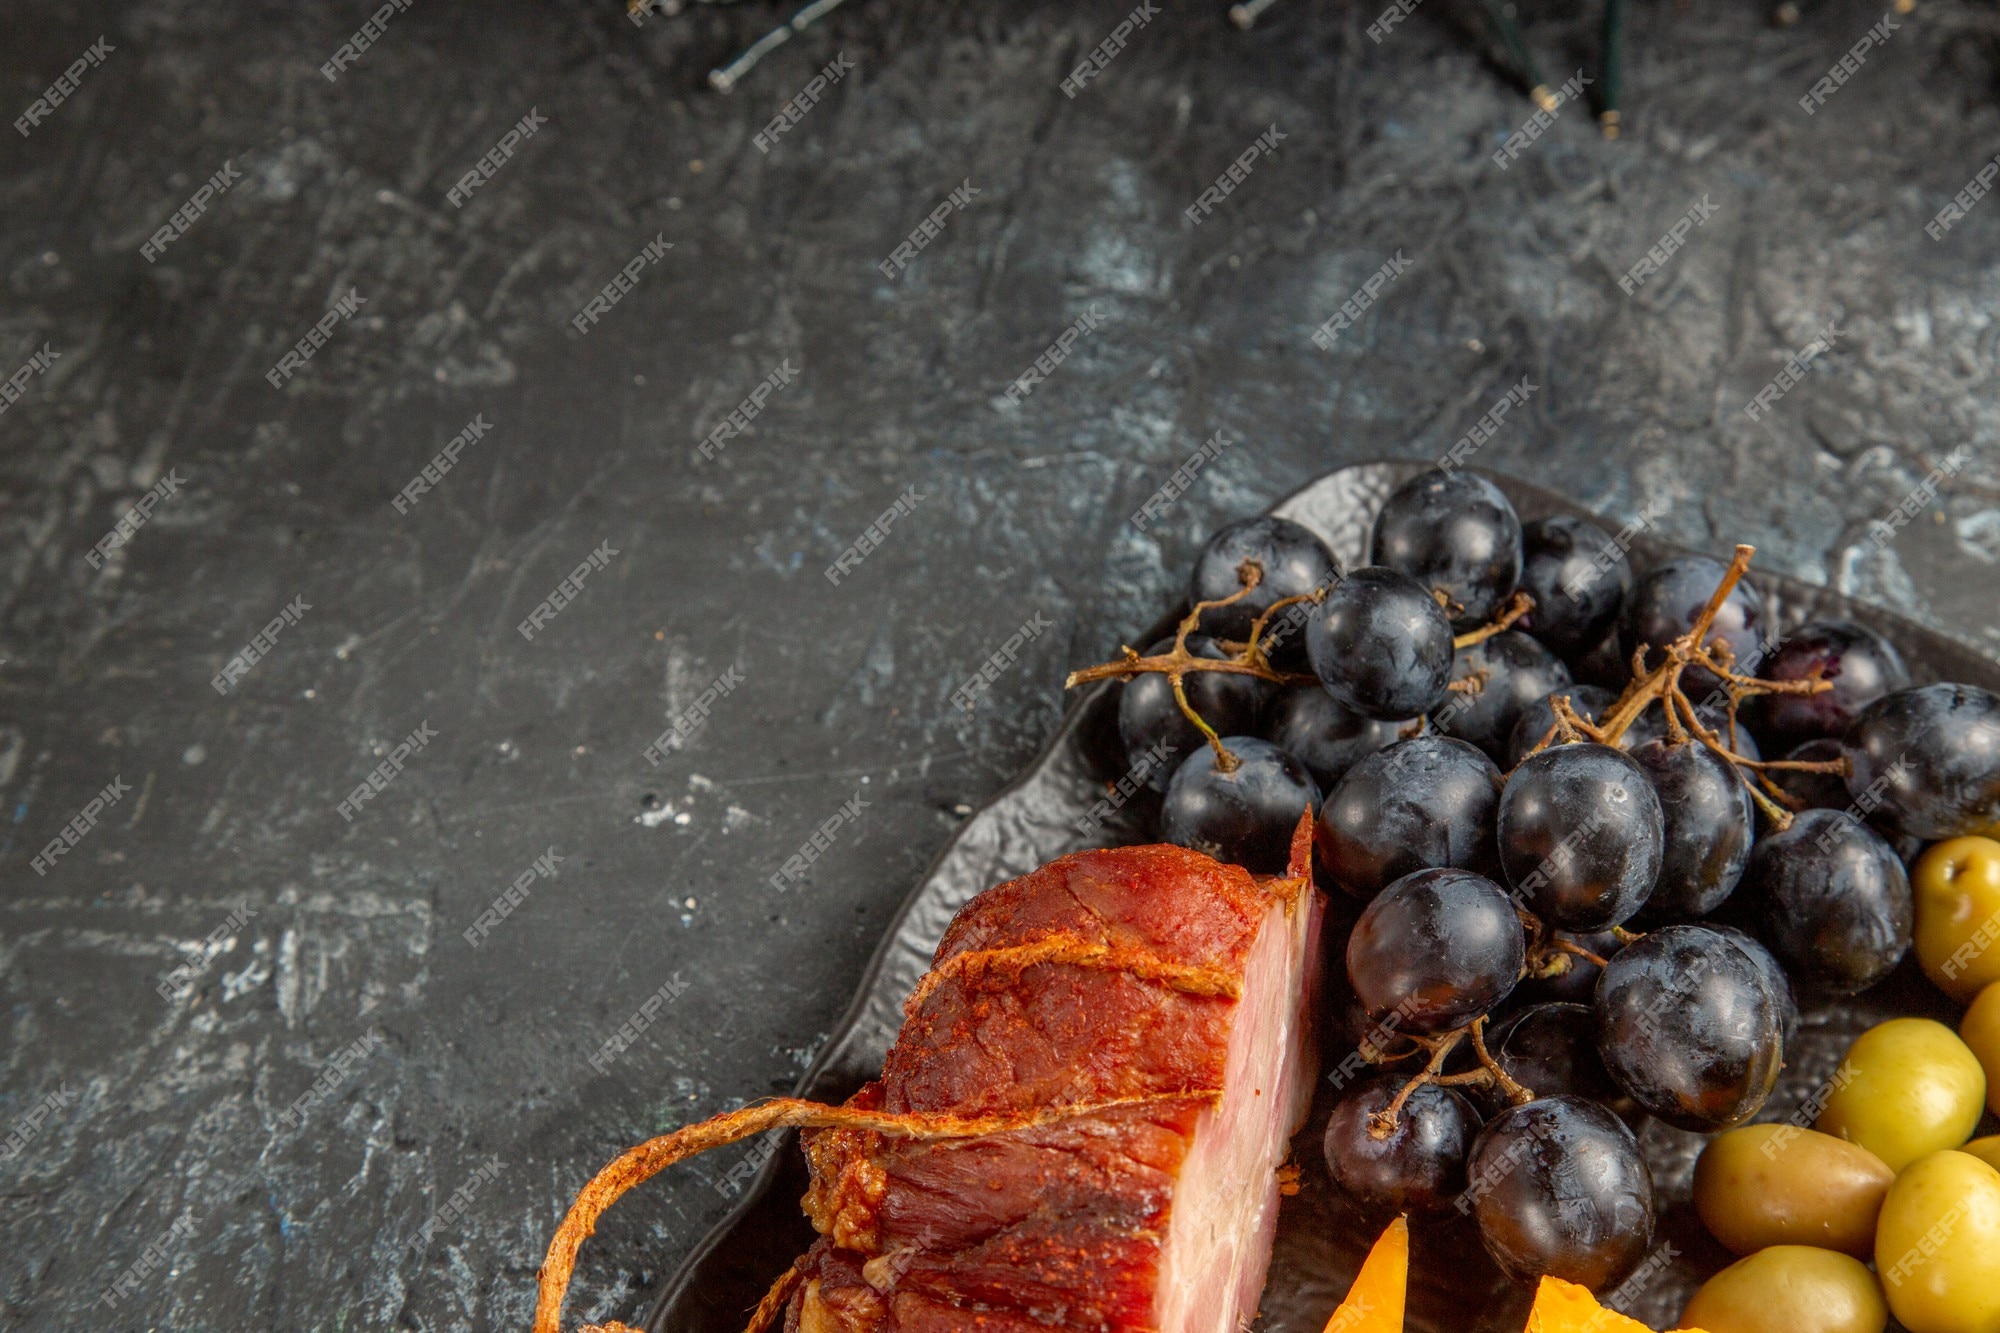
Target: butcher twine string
{"x": 1064, "y": 947}
{"x": 637, "y": 1165}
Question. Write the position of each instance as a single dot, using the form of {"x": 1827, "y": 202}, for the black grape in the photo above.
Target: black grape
{"x": 1833, "y": 902}
{"x": 1559, "y": 1187}
{"x": 1435, "y": 950}
{"x": 1709, "y": 824}
{"x": 1326, "y": 735}
{"x": 1245, "y": 816}
{"x": 1669, "y": 598}
{"x": 1149, "y": 716}
{"x": 1581, "y": 835}
{"x": 1927, "y": 761}
{"x": 1294, "y": 562}
{"x": 1455, "y": 533}
{"x": 1861, "y": 665}
{"x": 1579, "y": 576}
{"x": 1688, "y": 1026}
{"x": 1551, "y": 1050}
{"x": 1591, "y": 703}
{"x": 1420, "y": 1166}
{"x": 1518, "y": 673}
{"x": 1381, "y": 645}
{"x": 1419, "y": 804}
{"x": 1816, "y": 791}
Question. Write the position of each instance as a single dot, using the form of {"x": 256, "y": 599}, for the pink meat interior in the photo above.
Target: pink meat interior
{"x": 1225, "y": 1206}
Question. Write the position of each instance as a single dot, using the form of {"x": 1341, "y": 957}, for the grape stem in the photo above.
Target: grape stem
{"x": 1382, "y": 1123}
{"x": 1247, "y": 658}
{"x": 1548, "y": 953}
{"x": 1517, "y": 606}
{"x": 1563, "y": 946}
{"x": 1662, "y": 684}
{"x": 1474, "y": 682}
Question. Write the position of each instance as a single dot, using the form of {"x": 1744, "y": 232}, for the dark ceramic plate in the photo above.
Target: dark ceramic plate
{"x": 1454, "y": 1288}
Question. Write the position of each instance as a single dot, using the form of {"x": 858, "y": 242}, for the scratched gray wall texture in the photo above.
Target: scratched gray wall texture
{"x": 172, "y": 1119}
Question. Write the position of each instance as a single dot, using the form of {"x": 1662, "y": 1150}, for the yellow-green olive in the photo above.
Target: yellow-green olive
{"x": 1957, "y": 889}
{"x": 1907, "y": 1087}
{"x": 1986, "y": 1150}
{"x": 1980, "y": 1031}
{"x": 1937, "y": 1245}
{"x": 1765, "y": 1185}
{"x": 1789, "y": 1289}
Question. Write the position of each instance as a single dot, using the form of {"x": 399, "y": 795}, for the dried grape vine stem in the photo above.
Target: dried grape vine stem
{"x": 1517, "y": 606}
{"x": 1382, "y": 1123}
{"x": 1248, "y": 658}
{"x": 1662, "y": 684}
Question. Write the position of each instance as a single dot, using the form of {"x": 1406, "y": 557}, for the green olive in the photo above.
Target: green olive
{"x": 1957, "y": 894}
{"x": 1937, "y": 1245}
{"x": 1980, "y": 1031}
{"x": 1986, "y": 1150}
{"x": 1907, "y": 1087}
{"x": 1789, "y": 1289}
{"x": 1767, "y": 1185}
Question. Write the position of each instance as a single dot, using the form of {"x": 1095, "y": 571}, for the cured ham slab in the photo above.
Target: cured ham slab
{"x": 1081, "y": 1125}
{"x": 1107, "y": 975}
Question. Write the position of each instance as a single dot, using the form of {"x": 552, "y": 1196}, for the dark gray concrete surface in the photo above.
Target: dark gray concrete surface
{"x": 168, "y": 1114}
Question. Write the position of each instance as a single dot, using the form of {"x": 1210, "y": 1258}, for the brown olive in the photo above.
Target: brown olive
{"x": 1765, "y": 1185}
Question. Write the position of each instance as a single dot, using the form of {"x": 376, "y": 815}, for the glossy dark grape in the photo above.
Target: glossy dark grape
{"x": 1437, "y": 949}
{"x": 1551, "y": 1050}
{"x": 1294, "y": 562}
{"x": 1559, "y": 1187}
{"x": 1245, "y": 816}
{"x": 1576, "y": 983}
{"x": 1420, "y": 1166}
{"x": 1833, "y": 902}
{"x": 1326, "y": 735}
{"x": 1710, "y": 822}
{"x": 1381, "y": 645}
{"x": 1148, "y": 714}
{"x": 1456, "y": 533}
{"x": 1669, "y": 598}
{"x": 1581, "y": 835}
{"x": 1774, "y": 977}
{"x": 1590, "y": 701}
{"x": 1578, "y": 576}
{"x": 1688, "y": 1026}
{"x": 1518, "y": 673}
{"x": 1861, "y": 665}
{"x": 1419, "y": 804}
{"x": 1819, "y": 791}
{"x": 1927, "y": 761}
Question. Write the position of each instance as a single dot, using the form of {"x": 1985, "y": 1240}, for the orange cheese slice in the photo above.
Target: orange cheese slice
{"x": 1374, "y": 1303}
{"x": 1565, "y": 1307}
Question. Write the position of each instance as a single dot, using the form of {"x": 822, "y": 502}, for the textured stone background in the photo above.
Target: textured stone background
{"x": 173, "y": 1114}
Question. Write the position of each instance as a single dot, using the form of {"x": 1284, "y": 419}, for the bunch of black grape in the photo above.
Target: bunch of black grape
{"x": 1508, "y": 1024}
